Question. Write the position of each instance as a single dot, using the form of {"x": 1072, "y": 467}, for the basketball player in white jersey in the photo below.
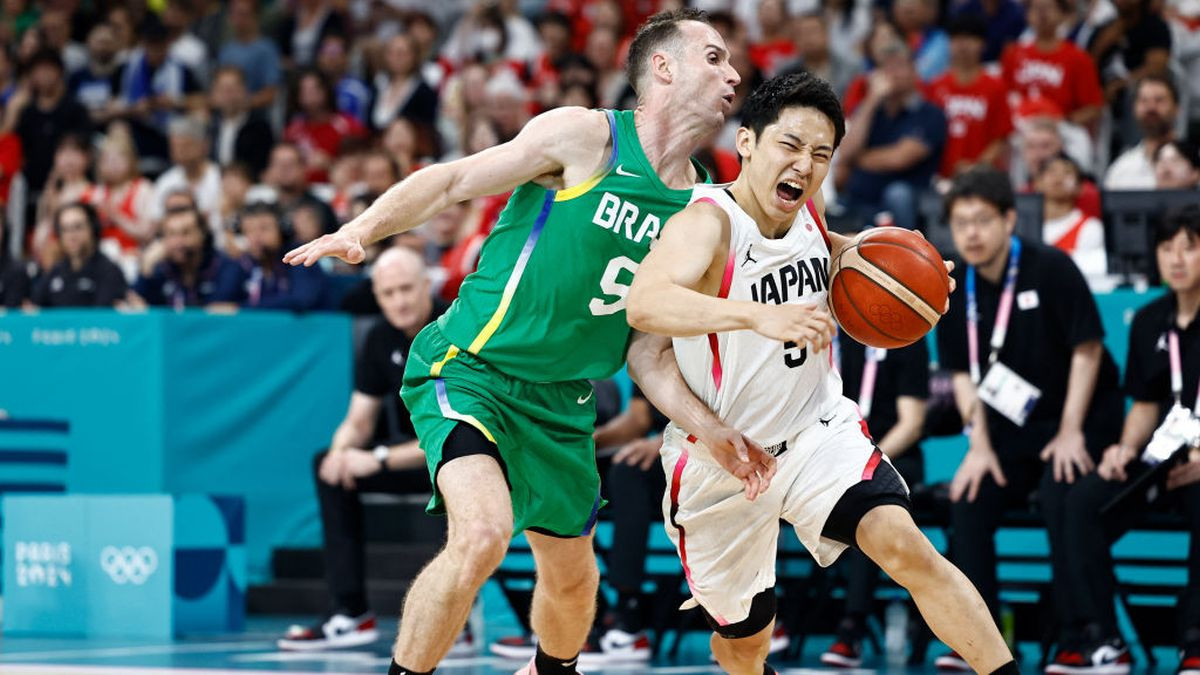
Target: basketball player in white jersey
{"x": 740, "y": 280}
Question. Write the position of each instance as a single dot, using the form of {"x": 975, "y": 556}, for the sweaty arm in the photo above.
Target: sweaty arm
{"x": 554, "y": 149}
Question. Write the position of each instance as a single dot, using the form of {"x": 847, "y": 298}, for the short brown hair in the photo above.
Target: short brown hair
{"x": 652, "y": 35}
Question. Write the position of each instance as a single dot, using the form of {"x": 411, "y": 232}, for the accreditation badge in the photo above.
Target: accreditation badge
{"x": 1008, "y": 393}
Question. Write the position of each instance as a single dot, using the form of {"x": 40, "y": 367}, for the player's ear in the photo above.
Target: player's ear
{"x": 744, "y": 141}
{"x": 661, "y": 66}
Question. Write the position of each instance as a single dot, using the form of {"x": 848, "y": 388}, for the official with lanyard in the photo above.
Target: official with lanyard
{"x": 1041, "y": 404}
{"x": 891, "y": 388}
{"x": 1162, "y": 374}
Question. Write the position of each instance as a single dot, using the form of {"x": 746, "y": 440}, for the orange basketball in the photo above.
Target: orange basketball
{"x": 888, "y": 287}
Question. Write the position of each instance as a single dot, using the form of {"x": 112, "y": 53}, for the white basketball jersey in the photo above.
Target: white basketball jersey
{"x": 768, "y": 390}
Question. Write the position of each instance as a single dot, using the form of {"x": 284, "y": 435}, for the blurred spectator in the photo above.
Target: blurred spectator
{"x": 84, "y": 277}
{"x": 1136, "y": 43}
{"x": 894, "y": 142}
{"x": 352, "y": 94}
{"x": 1156, "y": 109}
{"x": 286, "y": 175}
{"x": 122, "y": 197}
{"x": 917, "y": 21}
{"x": 272, "y": 284}
{"x": 1183, "y": 16}
{"x": 1039, "y": 140}
{"x": 10, "y": 163}
{"x": 814, "y": 54}
{"x": 492, "y": 31}
{"x": 186, "y": 48}
{"x": 8, "y": 75}
{"x": 554, "y": 32}
{"x": 97, "y": 84}
{"x": 317, "y": 128}
{"x": 1066, "y": 227}
{"x": 1051, "y": 68}
{"x": 1004, "y": 21}
{"x": 55, "y": 25}
{"x": 976, "y": 105}
{"x": 191, "y": 170}
{"x": 306, "y": 224}
{"x": 464, "y": 95}
{"x": 848, "y": 22}
{"x": 883, "y": 34}
{"x": 380, "y": 172}
{"x": 41, "y": 115}
{"x": 374, "y": 449}
{"x": 775, "y": 45}
{"x": 154, "y": 86}
{"x": 424, "y": 31}
{"x": 15, "y": 276}
{"x": 209, "y": 24}
{"x": 399, "y": 89}
{"x": 256, "y": 56}
{"x": 236, "y": 181}
{"x": 1177, "y": 166}
{"x": 16, "y": 17}
{"x": 120, "y": 18}
{"x": 305, "y": 24}
{"x": 67, "y": 183}
{"x": 238, "y": 133}
{"x": 191, "y": 271}
{"x": 601, "y": 52}
{"x": 345, "y": 180}
{"x": 506, "y": 104}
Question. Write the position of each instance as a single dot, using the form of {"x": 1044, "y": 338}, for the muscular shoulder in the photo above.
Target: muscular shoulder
{"x": 570, "y": 134}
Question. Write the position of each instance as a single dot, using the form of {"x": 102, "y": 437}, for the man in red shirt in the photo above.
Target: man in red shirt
{"x": 1052, "y": 68}
{"x": 978, "y": 120}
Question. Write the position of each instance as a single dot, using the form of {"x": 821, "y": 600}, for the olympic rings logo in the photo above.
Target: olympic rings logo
{"x": 128, "y": 565}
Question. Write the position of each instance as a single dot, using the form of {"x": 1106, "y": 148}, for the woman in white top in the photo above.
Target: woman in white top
{"x": 1067, "y": 228}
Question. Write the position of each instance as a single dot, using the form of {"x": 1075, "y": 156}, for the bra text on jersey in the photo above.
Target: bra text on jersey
{"x": 625, "y": 218}
{"x": 794, "y": 280}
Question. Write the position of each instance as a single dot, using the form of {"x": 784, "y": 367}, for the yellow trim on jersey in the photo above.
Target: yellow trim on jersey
{"x": 436, "y": 370}
{"x": 581, "y": 189}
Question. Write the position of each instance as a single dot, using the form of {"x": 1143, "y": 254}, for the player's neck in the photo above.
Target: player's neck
{"x": 669, "y": 143}
{"x": 993, "y": 270}
{"x": 744, "y": 197}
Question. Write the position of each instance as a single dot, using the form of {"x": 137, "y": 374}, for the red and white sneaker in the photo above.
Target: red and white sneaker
{"x": 516, "y": 647}
{"x": 1189, "y": 661}
{"x": 843, "y": 654}
{"x": 337, "y": 632}
{"x": 618, "y": 646}
{"x": 1110, "y": 657}
{"x": 952, "y": 662}
{"x": 779, "y": 640}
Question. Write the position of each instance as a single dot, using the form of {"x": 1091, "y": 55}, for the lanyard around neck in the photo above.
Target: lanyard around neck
{"x": 1003, "y": 312}
{"x": 1177, "y": 371}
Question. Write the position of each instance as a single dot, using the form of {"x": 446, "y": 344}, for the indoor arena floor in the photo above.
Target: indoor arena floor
{"x": 254, "y": 650}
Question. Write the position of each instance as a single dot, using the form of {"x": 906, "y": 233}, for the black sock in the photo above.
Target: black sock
{"x": 397, "y": 669}
{"x": 1009, "y": 668}
{"x": 550, "y": 665}
{"x": 768, "y": 670}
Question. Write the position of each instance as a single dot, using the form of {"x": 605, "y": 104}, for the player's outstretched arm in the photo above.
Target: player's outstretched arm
{"x": 652, "y": 365}
{"x": 545, "y": 147}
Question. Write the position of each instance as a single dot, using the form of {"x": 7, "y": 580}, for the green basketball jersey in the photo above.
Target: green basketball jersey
{"x": 547, "y": 303}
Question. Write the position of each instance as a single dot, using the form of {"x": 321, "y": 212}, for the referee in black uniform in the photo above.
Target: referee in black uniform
{"x": 1033, "y": 381}
{"x": 1164, "y": 326}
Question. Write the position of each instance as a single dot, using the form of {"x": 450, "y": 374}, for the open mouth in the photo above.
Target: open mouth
{"x": 728, "y": 98}
{"x": 789, "y": 192}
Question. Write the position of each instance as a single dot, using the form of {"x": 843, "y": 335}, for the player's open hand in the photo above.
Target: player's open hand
{"x": 808, "y": 325}
{"x": 742, "y": 457}
{"x": 340, "y": 244}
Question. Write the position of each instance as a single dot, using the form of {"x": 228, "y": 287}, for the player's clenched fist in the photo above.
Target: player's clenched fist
{"x": 802, "y": 324}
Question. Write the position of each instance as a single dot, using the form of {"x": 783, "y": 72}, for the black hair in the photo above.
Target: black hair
{"x": 1060, "y": 157}
{"x": 657, "y": 31}
{"x": 1180, "y": 219}
{"x": 556, "y": 18}
{"x": 1164, "y": 80}
{"x": 1188, "y": 149}
{"x": 197, "y": 217}
{"x": 982, "y": 182}
{"x": 802, "y": 89}
{"x": 972, "y": 25}
{"x": 329, "y": 94}
{"x": 45, "y": 56}
{"x": 93, "y": 218}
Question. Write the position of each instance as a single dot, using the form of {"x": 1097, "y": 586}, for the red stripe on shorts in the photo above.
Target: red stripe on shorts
{"x": 713, "y": 344}
{"x": 676, "y": 477}
{"x": 869, "y": 471}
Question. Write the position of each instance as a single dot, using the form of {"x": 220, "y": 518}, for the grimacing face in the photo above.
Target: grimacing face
{"x": 788, "y": 161}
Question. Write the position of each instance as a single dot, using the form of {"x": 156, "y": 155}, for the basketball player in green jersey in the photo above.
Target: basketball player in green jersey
{"x": 497, "y": 387}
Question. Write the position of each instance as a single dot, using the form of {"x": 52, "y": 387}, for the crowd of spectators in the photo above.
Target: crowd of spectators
{"x": 318, "y": 106}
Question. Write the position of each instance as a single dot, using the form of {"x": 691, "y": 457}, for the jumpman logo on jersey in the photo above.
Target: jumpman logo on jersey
{"x": 748, "y": 258}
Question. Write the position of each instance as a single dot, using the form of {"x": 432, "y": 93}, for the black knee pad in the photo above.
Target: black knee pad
{"x": 465, "y": 440}
{"x": 762, "y": 613}
{"x": 884, "y": 487}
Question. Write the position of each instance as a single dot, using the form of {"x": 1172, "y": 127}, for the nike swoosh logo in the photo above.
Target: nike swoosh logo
{"x": 826, "y": 422}
{"x": 622, "y": 172}
{"x": 584, "y": 399}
